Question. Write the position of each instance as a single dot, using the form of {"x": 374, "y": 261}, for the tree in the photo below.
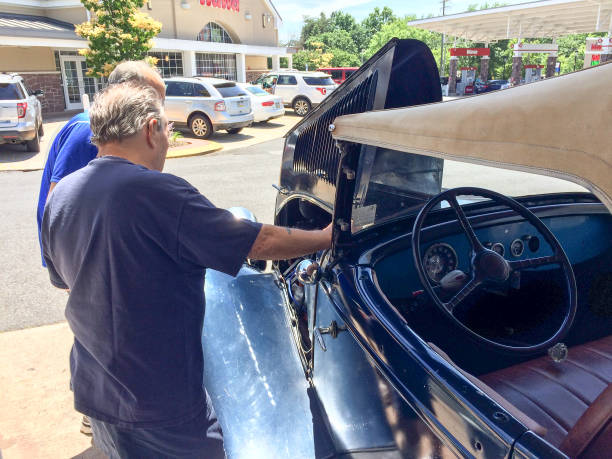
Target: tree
{"x": 315, "y": 26}
{"x": 376, "y": 19}
{"x": 400, "y": 29}
{"x": 117, "y": 31}
{"x": 313, "y": 58}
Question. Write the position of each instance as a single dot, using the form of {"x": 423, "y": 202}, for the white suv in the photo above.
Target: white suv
{"x": 299, "y": 90}
{"x": 20, "y": 112}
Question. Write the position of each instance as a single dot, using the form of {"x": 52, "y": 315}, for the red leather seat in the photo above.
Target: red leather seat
{"x": 556, "y": 395}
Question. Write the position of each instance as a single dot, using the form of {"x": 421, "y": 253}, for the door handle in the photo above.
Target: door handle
{"x": 333, "y": 329}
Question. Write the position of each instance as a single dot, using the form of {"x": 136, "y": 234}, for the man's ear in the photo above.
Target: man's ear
{"x": 153, "y": 126}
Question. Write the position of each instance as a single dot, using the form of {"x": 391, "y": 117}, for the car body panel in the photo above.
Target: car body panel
{"x": 264, "y": 112}
{"x": 252, "y": 371}
{"x": 12, "y": 128}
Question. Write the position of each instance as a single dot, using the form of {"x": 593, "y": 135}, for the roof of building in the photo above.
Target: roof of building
{"x": 35, "y": 26}
{"x": 540, "y": 19}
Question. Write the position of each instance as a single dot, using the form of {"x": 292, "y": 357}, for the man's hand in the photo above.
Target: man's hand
{"x": 280, "y": 243}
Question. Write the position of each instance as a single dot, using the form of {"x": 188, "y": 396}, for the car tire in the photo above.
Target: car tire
{"x": 301, "y": 106}
{"x": 234, "y": 130}
{"x": 34, "y": 144}
{"x": 41, "y": 130}
{"x": 200, "y": 126}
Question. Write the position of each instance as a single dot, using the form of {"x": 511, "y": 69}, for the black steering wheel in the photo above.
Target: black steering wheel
{"x": 487, "y": 265}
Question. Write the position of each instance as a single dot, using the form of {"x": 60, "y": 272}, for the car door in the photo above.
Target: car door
{"x": 345, "y": 381}
{"x": 179, "y": 99}
{"x": 286, "y": 88}
{"x": 268, "y": 83}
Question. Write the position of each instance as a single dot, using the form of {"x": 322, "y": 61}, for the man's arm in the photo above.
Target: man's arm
{"x": 279, "y": 243}
{"x": 51, "y": 186}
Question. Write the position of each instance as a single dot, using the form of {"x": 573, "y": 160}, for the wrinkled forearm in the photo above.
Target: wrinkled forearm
{"x": 279, "y": 243}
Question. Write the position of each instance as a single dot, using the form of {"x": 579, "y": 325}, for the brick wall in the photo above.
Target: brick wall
{"x": 254, "y": 74}
{"x": 51, "y": 84}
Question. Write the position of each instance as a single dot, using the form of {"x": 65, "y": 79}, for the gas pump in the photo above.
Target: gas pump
{"x": 533, "y": 73}
{"x": 468, "y": 75}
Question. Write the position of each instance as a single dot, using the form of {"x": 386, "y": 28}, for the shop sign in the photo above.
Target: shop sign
{"x": 233, "y": 5}
{"x": 470, "y": 52}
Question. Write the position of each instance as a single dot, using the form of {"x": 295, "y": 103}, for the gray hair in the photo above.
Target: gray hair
{"x": 138, "y": 71}
{"x": 122, "y": 110}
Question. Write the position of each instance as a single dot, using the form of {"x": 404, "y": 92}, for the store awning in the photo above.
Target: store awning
{"x": 22, "y": 25}
{"x": 542, "y": 19}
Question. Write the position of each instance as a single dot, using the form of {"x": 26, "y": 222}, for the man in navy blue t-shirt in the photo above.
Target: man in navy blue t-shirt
{"x": 132, "y": 245}
{"x": 72, "y": 148}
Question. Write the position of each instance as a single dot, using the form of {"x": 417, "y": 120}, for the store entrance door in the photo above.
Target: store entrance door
{"x": 76, "y": 81}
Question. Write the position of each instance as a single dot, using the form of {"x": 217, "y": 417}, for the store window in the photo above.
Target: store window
{"x": 215, "y": 33}
{"x": 169, "y": 64}
{"x": 216, "y": 65}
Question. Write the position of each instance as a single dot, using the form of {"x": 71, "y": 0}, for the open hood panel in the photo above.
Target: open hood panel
{"x": 401, "y": 74}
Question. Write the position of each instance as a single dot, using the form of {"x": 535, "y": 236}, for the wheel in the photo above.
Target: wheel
{"x": 301, "y": 106}
{"x": 200, "y": 126}
{"x": 34, "y": 144}
{"x": 41, "y": 130}
{"x": 234, "y": 130}
{"x": 488, "y": 266}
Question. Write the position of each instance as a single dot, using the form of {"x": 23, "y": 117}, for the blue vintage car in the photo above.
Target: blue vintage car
{"x": 446, "y": 320}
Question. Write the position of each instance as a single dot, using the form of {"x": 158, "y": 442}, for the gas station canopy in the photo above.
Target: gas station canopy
{"x": 542, "y": 19}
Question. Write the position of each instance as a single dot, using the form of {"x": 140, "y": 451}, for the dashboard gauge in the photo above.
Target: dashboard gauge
{"x": 517, "y": 247}
{"x": 498, "y": 248}
{"x": 439, "y": 260}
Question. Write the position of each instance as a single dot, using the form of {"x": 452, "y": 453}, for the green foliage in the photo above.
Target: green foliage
{"x": 400, "y": 29}
{"x": 377, "y": 19}
{"x": 117, "y": 31}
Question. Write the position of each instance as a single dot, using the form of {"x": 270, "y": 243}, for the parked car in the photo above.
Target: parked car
{"x": 20, "y": 112}
{"x": 491, "y": 85}
{"x": 339, "y": 74}
{"x": 206, "y": 105}
{"x": 299, "y": 90}
{"x": 265, "y": 106}
{"x": 435, "y": 326}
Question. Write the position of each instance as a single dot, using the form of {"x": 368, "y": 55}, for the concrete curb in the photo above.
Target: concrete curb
{"x": 196, "y": 147}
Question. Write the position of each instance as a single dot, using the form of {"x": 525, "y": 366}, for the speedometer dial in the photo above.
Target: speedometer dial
{"x": 439, "y": 260}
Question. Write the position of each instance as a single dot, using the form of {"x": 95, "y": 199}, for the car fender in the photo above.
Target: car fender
{"x": 253, "y": 373}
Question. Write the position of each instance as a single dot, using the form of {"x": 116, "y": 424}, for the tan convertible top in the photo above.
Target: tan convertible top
{"x": 560, "y": 127}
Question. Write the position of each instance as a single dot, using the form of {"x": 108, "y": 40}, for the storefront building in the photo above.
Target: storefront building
{"x": 37, "y": 40}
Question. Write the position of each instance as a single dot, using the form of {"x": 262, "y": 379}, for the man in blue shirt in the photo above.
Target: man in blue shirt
{"x": 132, "y": 244}
{"x": 72, "y": 148}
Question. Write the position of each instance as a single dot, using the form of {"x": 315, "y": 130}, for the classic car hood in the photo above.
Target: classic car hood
{"x": 558, "y": 127}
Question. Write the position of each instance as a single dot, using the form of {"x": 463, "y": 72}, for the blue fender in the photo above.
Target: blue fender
{"x": 252, "y": 369}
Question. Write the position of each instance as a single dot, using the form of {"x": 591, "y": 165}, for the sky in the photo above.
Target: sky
{"x": 293, "y": 11}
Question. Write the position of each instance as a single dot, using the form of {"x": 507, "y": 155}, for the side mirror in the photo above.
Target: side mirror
{"x": 39, "y": 93}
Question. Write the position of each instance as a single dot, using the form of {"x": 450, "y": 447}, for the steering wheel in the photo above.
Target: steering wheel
{"x": 488, "y": 265}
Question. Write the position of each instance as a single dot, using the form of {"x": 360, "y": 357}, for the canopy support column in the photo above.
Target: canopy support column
{"x": 484, "y": 66}
{"x": 452, "y": 75}
{"x": 551, "y": 62}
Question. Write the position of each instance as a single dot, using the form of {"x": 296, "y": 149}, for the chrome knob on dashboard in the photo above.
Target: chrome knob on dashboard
{"x": 308, "y": 272}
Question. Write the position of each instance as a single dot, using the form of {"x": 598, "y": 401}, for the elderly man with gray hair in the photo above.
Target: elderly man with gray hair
{"x": 132, "y": 244}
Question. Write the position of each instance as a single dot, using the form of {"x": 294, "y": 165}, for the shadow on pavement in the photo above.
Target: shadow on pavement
{"x": 91, "y": 453}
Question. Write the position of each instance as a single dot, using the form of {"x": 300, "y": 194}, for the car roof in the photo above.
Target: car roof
{"x": 10, "y": 78}
{"x": 199, "y": 78}
{"x": 554, "y": 127}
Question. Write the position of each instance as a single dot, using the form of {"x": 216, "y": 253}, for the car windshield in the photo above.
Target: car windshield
{"x": 392, "y": 183}
{"x": 319, "y": 81}
{"x": 230, "y": 90}
{"x": 10, "y": 91}
{"x": 257, "y": 91}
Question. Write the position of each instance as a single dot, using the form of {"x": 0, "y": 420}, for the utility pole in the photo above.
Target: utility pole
{"x": 442, "y": 46}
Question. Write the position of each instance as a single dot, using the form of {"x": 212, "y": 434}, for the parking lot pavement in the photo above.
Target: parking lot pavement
{"x": 16, "y": 158}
